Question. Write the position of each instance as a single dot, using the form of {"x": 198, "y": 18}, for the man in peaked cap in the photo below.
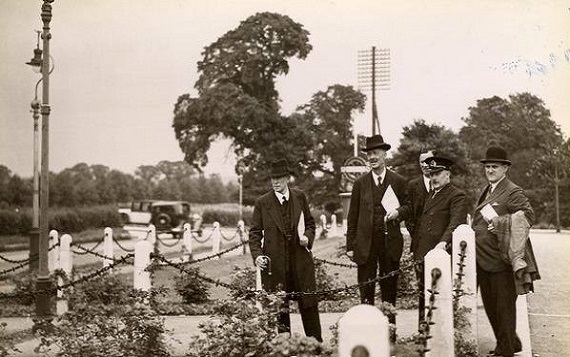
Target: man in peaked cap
{"x": 444, "y": 210}
{"x": 280, "y": 240}
{"x": 495, "y": 276}
{"x": 374, "y": 240}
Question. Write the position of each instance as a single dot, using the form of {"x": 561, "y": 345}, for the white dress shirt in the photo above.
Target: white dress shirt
{"x": 281, "y": 196}
{"x": 378, "y": 179}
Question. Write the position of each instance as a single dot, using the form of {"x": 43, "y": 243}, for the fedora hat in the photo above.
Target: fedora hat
{"x": 496, "y": 154}
{"x": 375, "y": 142}
{"x": 279, "y": 168}
{"x": 438, "y": 163}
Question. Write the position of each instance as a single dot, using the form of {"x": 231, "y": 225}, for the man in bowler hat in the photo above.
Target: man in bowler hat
{"x": 277, "y": 233}
{"x": 444, "y": 209}
{"x": 494, "y": 275}
{"x": 374, "y": 241}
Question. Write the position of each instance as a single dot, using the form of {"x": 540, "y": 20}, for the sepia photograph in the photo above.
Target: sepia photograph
{"x": 284, "y": 178}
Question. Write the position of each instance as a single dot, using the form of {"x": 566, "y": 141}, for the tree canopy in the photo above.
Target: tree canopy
{"x": 237, "y": 99}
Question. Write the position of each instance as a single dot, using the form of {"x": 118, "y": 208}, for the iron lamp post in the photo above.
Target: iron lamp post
{"x": 41, "y": 59}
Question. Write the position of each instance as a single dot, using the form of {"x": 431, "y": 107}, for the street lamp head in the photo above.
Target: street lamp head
{"x": 36, "y": 61}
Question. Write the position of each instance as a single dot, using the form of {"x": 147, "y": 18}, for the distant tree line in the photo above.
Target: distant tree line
{"x": 89, "y": 185}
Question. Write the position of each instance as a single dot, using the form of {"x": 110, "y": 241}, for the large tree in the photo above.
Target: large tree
{"x": 237, "y": 99}
{"x": 328, "y": 119}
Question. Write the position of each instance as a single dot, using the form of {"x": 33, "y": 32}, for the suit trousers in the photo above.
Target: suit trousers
{"x": 379, "y": 262}
{"x": 499, "y": 299}
{"x": 309, "y": 316}
{"x": 419, "y": 268}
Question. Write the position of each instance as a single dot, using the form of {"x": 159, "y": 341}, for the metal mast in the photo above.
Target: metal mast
{"x": 373, "y": 73}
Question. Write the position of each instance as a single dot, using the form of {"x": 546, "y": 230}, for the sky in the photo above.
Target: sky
{"x": 120, "y": 65}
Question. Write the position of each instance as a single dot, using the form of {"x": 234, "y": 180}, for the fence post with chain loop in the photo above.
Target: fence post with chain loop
{"x": 216, "y": 239}
{"x": 241, "y": 233}
{"x": 323, "y": 227}
{"x": 65, "y": 265}
{"x": 465, "y": 274}
{"x": 354, "y": 332}
{"x": 439, "y": 317}
{"x": 334, "y": 231}
{"x": 141, "y": 278}
{"x": 53, "y": 255}
{"x": 187, "y": 242}
{"x": 108, "y": 247}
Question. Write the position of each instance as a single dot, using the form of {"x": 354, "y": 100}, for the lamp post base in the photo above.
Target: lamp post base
{"x": 34, "y": 248}
{"x": 44, "y": 297}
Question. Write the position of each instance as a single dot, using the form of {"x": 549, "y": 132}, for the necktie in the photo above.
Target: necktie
{"x": 489, "y": 191}
{"x": 284, "y": 202}
{"x": 379, "y": 181}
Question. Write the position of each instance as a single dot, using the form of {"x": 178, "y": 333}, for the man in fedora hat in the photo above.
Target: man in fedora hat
{"x": 374, "y": 241}
{"x": 443, "y": 210}
{"x": 280, "y": 240}
{"x": 495, "y": 275}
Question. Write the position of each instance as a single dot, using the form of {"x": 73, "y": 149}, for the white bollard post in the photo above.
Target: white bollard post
{"x": 334, "y": 231}
{"x": 323, "y": 227}
{"x": 151, "y": 237}
{"x": 65, "y": 254}
{"x": 438, "y": 270}
{"x": 363, "y": 331}
{"x": 216, "y": 239}
{"x": 187, "y": 243}
{"x": 53, "y": 254}
{"x": 66, "y": 264}
{"x": 197, "y": 222}
{"x": 108, "y": 247}
{"x": 141, "y": 278}
{"x": 241, "y": 232}
{"x": 464, "y": 238}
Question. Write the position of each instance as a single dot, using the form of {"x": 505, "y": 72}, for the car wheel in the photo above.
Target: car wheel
{"x": 162, "y": 221}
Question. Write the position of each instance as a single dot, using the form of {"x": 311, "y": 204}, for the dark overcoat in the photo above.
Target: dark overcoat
{"x": 440, "y": 216}
{"x": 506, "y": 198}
{"x": 267, "y": 237}
{"x": 360, "y": 217}
{"x": 417, "y": 194}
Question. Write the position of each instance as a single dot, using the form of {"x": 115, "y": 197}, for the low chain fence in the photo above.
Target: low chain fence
{"x": 434, "y": 332}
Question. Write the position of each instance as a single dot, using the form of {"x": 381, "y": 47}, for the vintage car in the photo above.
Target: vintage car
{"x": 166, "y": 216}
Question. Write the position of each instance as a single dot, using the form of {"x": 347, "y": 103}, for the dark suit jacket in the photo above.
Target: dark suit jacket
{"x": 507, "y": 198}
{"x": 267, "y": 237}
{"x": 417, "y": 194}
{"x": 440, "y": 216}
{"x": 360, "y": 217}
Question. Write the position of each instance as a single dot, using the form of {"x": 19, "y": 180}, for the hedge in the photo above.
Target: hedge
{"x": 72, "y": 220}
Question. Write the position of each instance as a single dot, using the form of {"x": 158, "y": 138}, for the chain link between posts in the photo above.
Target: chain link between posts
{"x": 72, "y": 283}
{"x": 157, "y": 257}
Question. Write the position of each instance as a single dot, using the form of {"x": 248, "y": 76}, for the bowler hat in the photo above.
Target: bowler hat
{"x": 496, "y": 154}
{"x": 438, "y": 163}
{"x": 375, "y": 142}
{"x": 279, "y": 168}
